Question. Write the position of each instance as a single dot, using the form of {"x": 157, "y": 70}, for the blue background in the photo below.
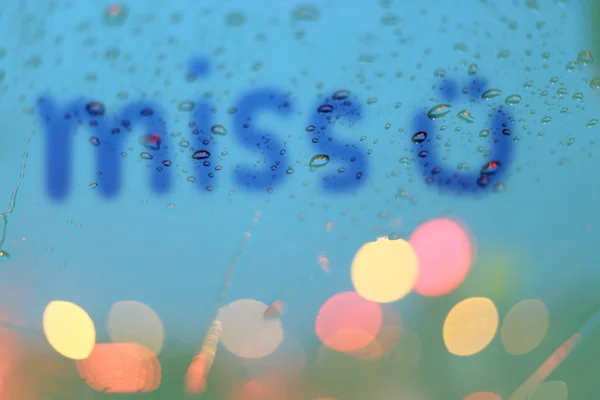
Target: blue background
{"x": 137, "y": 247}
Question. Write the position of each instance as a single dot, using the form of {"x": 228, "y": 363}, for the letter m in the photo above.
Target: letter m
{"x": 111, "y": 133}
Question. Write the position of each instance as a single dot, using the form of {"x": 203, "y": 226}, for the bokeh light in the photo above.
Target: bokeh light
{"x": 132, "y": 321}
{"x": 121, "y": 368}
{"x": 195, "y": 377}
{"x": 498, "y": 271}
{"x": 407, "y": 352}
{"x": 265, "y": 388}
{"x": 334, "y": 369}
{"x": 444, "y": 253}
{"x": 288, "y": 361}
{"x": 246, "y": 333}
{"x": 253, "y": 390}
{"x": 483, "y": 396}
{"x": 470, "y": 326}
{"x": 11, "y": 350}
{"x": 385, "y": 270}
{"x": 524, "y": 326}
{"x": 347, "y": 322}
{"x": 69, "y": 329}
{"x": 387, "y": 337}
{"x": 39, "y": 372}
{"x": 551, "y": 390}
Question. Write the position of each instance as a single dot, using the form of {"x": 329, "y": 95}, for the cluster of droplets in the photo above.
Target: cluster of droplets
{"x": 151, "y": 142}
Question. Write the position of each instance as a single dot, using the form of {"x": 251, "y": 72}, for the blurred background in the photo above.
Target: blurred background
{"x": 289, "y": 200}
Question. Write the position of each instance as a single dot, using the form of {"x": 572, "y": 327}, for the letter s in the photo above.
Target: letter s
{"x": 353, "y": 172}
{"x": 272, "y": 150}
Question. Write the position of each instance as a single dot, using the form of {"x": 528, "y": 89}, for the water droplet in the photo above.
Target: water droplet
{"x": 490, "y": 168}
{"x": 466, "y": 116}
{"x": 460, "y": 47}
{"x": 201, "y": 155}
{"x": 595, "y": 83}
{"x": 578, "y": 96}
{"x": 184, "y": 144}
{"x": 503, "y": 54}
{"x": 95, "y": 141}
{"x": 218, "y": 130}
{"x": 95, "y": 109}
{"x": 186, "y": 106}
{"x": 167, "y": 163}
{"x": 93, "y": 185}
{"x": 310, "y": 128}
{"x": 325, "y": 108}
{"x": 340, "y": 95}
{"x": 112, "y": 53}
{"x": 484, "y": 133}
{"x": 306, "y": 13}
{"x": 545, "y": 120}
{"x": 423, "y": 153}
{"x": 513, "y": 99}
{"x": 151, "y": 141}
{"x": 115, "y": 14}
{"x": 585, "y": 57}
{"x": 472, "y": 69}
{"x": 419, "y": 137}
{"x": 439, "y": 111}
{"x": 289, "y": 171}
{"x": 571, "y": 65}
{"x": 318, "y": 161}
{"x": 490, "y": 94}
{"x": 146, "y": 156}
{"x": 591, "y": 123}
{"x": 235, "y": 19}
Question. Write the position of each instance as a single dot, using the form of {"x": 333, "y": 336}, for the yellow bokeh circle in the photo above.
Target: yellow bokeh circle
{"x": 69, "y": 329}
{"x": 470, "y": 326}
{"x": 385, "y": 270}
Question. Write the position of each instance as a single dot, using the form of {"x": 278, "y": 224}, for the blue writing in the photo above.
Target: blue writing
{"x": 447, "y": 177}
{"x": 351, "y": 174}
{"x": 108, "y": 133}
{"x": 343, "y": 164}
{"x": 274, "y": 159}
{"x": 205, "y": 142}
